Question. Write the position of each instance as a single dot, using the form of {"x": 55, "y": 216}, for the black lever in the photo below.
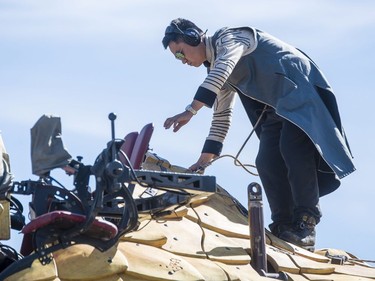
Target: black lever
{"x": 112, "y": 116}
{"x": 114, "y": 168}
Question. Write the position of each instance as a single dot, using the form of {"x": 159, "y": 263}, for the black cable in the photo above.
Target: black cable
{"x": 251, "y": 133}
{"x": 132, "y": 170}
{"x": 10, "y": 250}
{"x": 52, "y": 179}
{"x": 236, "y": 161}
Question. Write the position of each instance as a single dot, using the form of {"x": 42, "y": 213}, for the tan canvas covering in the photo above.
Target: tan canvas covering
{"x": 5, "y": 182}
{"x": 207, "y": 239}
{"x": 5, "y": 175}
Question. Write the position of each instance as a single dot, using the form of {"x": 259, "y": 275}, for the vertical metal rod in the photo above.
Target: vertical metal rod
{"x": 112, "y": 116}
{"x": 256, "y": 224}
{"x": 114, "y": 167}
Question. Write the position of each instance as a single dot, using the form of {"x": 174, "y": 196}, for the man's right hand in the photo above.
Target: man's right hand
{"x": 178, "y": 120}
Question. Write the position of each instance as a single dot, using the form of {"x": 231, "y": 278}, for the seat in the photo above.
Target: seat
{"x": 127, "y": 147}
{"x": 62, "y": 220}
{"x": 59, "y": 230}
{"x": 141, "y": 145}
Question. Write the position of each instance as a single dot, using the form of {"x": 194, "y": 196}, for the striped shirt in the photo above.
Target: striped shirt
{"x": 214, "y": 92}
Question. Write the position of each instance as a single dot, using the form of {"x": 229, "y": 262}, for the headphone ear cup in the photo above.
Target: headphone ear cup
{"x": 192, "y": 37}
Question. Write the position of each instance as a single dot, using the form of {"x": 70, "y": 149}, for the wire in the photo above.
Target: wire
{"x": 236, "y": 162}
{"x": 52, "y": 179}
{"x": 10, "y": 250}
{"x": 235, "y": 158}
{"x": 251, "y": 133}
{"x": 134, "y": 173}
{"x": 362, "y": 260}
{"x": 132, "y": 170}
{"x": 15, "y": 204}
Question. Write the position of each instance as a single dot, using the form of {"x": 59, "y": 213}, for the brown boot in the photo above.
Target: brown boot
{"x": 303, "y": 234}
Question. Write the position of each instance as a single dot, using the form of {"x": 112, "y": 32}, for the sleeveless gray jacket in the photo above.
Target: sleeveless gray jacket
{"x": 286, "y": 79}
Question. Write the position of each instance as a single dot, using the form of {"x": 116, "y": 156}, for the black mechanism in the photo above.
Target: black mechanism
{"x": 66, "y": 217}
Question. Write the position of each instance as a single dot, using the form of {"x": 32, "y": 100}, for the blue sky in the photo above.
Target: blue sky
{"x": 81, "y": 60}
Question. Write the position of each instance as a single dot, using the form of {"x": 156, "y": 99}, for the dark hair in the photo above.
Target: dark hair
{"x": 179, "y": 25}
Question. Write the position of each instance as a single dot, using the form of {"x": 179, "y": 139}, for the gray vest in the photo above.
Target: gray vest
{"x": 286, "y": 79}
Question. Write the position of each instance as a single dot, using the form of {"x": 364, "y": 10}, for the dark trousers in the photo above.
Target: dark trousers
{"x": 287, "y": 166}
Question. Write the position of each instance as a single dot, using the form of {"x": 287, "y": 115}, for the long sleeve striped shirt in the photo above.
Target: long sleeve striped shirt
{"x": 214, "y": 92}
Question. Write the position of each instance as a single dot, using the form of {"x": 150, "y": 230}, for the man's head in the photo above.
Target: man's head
{"x": 184, "y": 40}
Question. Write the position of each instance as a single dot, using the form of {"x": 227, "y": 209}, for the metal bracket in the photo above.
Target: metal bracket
{"x": 188, "y": 183}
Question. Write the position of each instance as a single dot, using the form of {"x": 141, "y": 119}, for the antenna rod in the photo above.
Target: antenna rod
{"x": 112, "y": 116}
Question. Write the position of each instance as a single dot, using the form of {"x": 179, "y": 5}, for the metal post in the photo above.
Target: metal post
{"x": 256, "y": 224}
{"x": 112, "y": 116}
{"x": 257, "y": 234}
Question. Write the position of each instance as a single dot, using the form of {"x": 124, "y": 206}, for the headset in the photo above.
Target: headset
{"x": 191, "y": 36}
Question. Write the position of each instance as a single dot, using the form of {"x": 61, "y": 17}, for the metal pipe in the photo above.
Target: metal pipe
{"x": 256, "y": 224}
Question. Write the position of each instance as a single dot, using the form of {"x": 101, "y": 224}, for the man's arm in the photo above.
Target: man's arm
{"x": 221, "y": 121}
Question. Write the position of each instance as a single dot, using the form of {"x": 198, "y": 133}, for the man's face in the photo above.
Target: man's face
{"x": 193, "y": 56}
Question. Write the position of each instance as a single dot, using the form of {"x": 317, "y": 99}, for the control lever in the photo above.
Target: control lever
{"x": 114, "y": 168}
